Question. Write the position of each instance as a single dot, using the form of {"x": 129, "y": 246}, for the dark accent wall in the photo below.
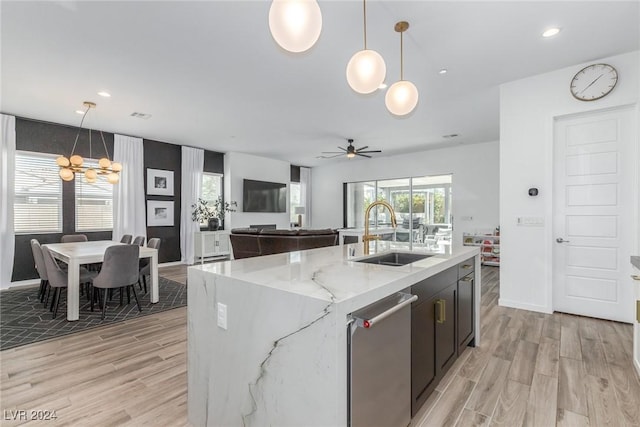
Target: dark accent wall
{"x": 43, "y": 137}
{"x": 161, "y": 155}
{"x": 295, "y": 173}
{"x": 213, "y": 162}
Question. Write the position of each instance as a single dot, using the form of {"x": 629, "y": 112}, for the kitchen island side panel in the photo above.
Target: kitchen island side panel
{"x": 280, "y": 362}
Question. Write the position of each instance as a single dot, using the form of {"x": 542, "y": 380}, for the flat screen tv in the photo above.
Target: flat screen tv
{"x": 262, "y": 196}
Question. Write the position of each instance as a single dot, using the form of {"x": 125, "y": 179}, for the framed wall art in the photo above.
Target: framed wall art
{"x": 159, "y": 213}
{"x": 159, "y": 182}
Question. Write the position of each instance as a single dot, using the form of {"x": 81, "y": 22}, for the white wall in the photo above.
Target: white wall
{"x": 527, "y": 111}
{"x": 475, "y": 183}
{"x": 239, "y": 166}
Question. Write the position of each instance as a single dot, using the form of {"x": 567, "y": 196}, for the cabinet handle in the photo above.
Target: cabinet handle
{"x": 441, "y": 315}
{"x": 466, "y": 279}
{"x": 635, "y": 276}
{"x": 466, "y": 266}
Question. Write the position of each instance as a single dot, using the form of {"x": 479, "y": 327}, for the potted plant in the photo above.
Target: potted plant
{"x": 212, "y": 214}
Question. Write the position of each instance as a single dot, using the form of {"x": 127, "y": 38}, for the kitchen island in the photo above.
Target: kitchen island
{"x": 267, "y": 336}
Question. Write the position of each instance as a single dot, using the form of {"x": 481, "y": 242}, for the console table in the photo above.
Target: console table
{"x": 211, "y": 244}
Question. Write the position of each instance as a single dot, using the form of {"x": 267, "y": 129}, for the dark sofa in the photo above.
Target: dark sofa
{"x": 251, "y": 242}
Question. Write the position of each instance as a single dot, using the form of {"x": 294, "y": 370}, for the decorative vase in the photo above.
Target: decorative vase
{"x": 213, "y": 224}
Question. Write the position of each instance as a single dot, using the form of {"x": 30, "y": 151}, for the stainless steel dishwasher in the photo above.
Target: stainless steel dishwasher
{"x": 379, "y": 342}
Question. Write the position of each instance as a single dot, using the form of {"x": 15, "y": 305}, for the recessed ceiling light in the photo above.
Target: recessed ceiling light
{"x": 79, "y": 111}
{"x": 443, "y": 71}
{"x": 383, "y": 85}
{"x": 105, "y": 94}
{"x": 551, "y": 32}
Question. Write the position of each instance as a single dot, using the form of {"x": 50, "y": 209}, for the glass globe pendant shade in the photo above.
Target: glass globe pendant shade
{"x": 366, "y": 71}
{"x": 66, "y": 174}
{"x": 295, "y": 24}
{"x": 62, "y": 161}
{"x": 401, "y": 98}
{"x": 113, "y": 178}
{"x": 76, "y": 160}
{"x": 91, "y": 175}
{"x": 116, "y": 167}
{"x": 104, "y": 163}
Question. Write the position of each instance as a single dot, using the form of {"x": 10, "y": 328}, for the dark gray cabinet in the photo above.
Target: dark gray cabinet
{"x": 465, "y": 309}
{"x": 441, "y": 326}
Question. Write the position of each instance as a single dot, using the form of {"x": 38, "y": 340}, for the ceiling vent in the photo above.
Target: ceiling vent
{"x": 141, "y": 115}
{"x": 453, "y": 135}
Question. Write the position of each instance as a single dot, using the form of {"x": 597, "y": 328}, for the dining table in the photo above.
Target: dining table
{"x": 76, "y": 254}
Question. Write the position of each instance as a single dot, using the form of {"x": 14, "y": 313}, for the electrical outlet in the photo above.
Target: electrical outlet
{"x": 222, "y": 316}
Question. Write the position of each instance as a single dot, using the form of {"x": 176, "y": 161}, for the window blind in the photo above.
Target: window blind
{"x": 94, "y": 202}
{"x": 38, "y": 194}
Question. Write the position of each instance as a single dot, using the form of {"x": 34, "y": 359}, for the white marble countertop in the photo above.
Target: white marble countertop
{"x": 331, "y": 274}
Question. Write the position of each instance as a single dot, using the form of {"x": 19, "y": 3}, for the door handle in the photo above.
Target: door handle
{"x": 441, "y": 315}
{"x": 561, "y": 240}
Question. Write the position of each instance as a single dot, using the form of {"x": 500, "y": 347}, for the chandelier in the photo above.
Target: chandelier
{"x": 73, "y": 165}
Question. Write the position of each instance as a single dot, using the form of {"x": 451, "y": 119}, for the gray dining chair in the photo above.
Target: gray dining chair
{"x": 36, "y": 249}
{"x": 119, "y": 270}
{"x": 139, "y": 241}
{"x": 57, "y": 278}
{"x": 67, "y": 238}
{"x": 126, "y": 239}
{"x": 145, "y": 263}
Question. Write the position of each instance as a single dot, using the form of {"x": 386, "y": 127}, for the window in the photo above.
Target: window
{"x": 422, "y": 205}
{"x": 211, "y": 188}
{"x": 94, "y": 202}
{"x": 294, "y": 200}
{"x": 38, "y": 194}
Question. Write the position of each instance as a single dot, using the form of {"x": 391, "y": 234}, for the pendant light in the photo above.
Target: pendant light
{"x": 295, "y": 24}
{"x": 402, "y": 96}
{"x": 73, "y": 165}
{"x": 366, "y": 69}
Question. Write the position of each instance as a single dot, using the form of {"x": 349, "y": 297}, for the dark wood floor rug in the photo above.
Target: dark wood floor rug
{"x": 24, "y": 319}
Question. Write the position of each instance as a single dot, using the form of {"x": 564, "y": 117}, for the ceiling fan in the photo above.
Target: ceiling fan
{"x": 350, "y": 151}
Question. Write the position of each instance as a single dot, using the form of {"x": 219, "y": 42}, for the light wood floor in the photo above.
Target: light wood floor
{"x": 532, "y": 369}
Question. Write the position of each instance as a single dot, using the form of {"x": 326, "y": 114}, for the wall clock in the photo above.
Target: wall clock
{"x": 594, "y": 82}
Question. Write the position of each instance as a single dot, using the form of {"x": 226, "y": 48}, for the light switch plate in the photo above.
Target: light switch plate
{"x": 530, "y": 221}
{"x": 222, "y": 316}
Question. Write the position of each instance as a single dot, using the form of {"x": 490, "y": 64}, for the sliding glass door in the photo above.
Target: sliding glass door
{"x": 422, "y": 206}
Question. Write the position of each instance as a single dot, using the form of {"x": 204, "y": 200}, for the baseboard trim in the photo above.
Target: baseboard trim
{"x": 523, "y": 306}
{"x": 22, "y": 284}
{"x": 170, "y": 264}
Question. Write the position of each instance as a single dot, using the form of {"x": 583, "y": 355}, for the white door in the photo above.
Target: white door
{"x": 595, "y": 162}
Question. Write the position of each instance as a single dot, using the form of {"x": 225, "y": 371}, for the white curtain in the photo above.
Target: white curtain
{"x": 192, "y": 167}
{"x": 129, "y": 210}
{"x": 305, "y": 194}
{"x": 7, "y": 179}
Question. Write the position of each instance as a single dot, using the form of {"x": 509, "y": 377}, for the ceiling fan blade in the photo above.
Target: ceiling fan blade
{"x": 329, "y": 157}
{"x": 332, "y": 152}
{"x": 363, "y": 155}
{"x": 371, "y": 151}
{"x": 362, "y": 148}
{"x": 343, "y": 149}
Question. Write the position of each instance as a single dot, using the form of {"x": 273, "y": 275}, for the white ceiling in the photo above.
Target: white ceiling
{"x": 212, "y": 77}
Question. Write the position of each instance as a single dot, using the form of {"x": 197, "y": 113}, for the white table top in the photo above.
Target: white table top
{"x": 92, "y": 251}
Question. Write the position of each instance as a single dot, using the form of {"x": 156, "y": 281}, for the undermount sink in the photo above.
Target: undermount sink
{"x": 394, "y": 259}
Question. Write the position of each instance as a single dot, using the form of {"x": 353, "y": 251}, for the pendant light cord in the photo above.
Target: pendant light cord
{"x": 401, "y": 59}
{"x": 104, "y": 144}
{"x": 79, "y": 129}
{"x": 364, "y": 13}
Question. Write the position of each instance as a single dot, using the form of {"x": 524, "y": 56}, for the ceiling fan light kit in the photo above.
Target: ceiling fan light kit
{"x": 402, "y": 96}
{"x": 366, "y": 69}
{"x": 295, "y": 24}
